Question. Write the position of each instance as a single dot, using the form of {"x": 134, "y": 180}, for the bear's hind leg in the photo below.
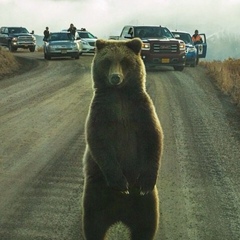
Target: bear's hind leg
{"x": 144, "y": 217}
{"x": 94, "y": 227}
{"x": 98, "y": 215}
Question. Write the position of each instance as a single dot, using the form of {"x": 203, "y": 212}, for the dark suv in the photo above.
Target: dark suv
{"x": 160, "y": 48}
{"x": 17, "y": 37}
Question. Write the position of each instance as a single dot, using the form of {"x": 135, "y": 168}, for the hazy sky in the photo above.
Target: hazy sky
{"x": 107, "y": 17}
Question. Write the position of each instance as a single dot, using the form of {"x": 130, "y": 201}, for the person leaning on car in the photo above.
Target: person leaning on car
{"x": 72, "y": 29}
{"x": 196, "y": 38}
{"x": 46, "y": 34}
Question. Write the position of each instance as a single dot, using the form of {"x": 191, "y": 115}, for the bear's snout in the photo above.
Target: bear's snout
{"x": 115, "y": 79}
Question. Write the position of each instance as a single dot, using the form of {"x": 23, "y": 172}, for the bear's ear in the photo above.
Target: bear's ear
{"x": 100, "y": 43}
{"x": 135, "y": 44}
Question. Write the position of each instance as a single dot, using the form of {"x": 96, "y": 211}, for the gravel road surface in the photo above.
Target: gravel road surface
{"x": 42, "y": 113}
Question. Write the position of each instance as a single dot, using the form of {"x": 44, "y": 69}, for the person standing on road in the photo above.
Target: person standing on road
{"x": 72, "y": 29}
{"x": 196, "y": 38}
{"x": 46, "y": 34}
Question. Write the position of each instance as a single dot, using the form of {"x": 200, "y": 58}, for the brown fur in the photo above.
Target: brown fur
{"x": 124, "y": 145}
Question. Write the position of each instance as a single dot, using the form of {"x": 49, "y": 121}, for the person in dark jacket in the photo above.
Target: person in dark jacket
{"x": 46, "y": 34}
{"x": 72, "y": 29}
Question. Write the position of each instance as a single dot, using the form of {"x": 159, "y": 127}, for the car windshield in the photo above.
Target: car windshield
{"x": 18, "y": 30}
{"x": 61, "y": 36}
{"x": 154, "y": 32}
{"x": 186, "y": 37}
{"x": 86, "y": 35}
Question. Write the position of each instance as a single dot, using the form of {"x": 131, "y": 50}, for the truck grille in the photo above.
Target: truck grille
{"x": 165, "y": 48}
{"x": 25, "y": 39}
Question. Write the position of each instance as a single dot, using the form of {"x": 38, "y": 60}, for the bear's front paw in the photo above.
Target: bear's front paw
{"x": 145, "y": 184}
{"x": 119, "y": 184}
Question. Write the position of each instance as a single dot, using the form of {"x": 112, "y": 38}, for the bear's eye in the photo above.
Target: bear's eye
{"x": 106, "y": 63}
{"x": 126, "y": 62}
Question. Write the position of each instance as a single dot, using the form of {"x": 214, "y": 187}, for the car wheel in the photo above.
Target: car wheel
{"x": 11, "y": 48}
{"x": 32, "y": 49}
{"x": 197, "y": 61}
{"x": 194, "y": 64}
{"x": 47, "y": 57}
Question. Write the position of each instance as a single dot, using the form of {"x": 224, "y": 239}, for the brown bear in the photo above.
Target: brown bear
{"x": 123, "y": 145}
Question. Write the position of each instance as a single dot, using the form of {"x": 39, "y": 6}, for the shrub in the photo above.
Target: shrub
{"x": 227, "y": 76}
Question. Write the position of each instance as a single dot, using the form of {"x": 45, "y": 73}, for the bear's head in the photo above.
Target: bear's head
{"x": 118, "y": 64}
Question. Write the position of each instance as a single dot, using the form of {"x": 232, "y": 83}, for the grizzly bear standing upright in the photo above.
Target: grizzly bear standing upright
{"x": 124, "y": 145}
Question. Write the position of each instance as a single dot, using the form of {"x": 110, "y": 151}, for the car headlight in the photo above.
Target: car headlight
{"x": 14, "y": 39}
{"x": 182, "y": 46}
{"x": 74, "y": 46}
{"x": 146, "y": 46}
{"x": 85, "y": 43}
{"x": 34, "y": 38}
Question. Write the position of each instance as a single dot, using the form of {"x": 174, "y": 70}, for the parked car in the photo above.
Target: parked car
{"x": 191, "y": 50}
{"x": 160, "y": 48}
{"x": 62, "y": 44}
{"x": 17, "y": 37}
{"x": 88, "y": 40}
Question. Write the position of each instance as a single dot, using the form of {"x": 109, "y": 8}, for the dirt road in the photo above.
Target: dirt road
{"x": 42, "y": 115}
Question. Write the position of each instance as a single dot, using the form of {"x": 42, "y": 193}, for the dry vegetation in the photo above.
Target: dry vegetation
{"x": 8, "y": 63}
{"x": 226, "y": 74}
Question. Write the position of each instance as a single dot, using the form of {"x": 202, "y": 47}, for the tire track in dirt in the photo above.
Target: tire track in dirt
{"x": 42, "y": 116}
{"x": 201, "y": 199}
{"x": 41, "y": 172}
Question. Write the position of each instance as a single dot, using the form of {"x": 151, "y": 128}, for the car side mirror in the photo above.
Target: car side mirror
{"x": 32, "y": 32}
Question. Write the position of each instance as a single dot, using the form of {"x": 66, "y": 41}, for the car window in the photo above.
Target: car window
{"x": 17, "y": 30}
{"x": 166, "y": 33}
{"x": 154, "y": 32}
{"x": 186, "y": 37}
{"x": 126, "y": 31}
{"x": 86, "y": 35}
{"x": 83, "y": 34}
{"x": 61, "y": 36}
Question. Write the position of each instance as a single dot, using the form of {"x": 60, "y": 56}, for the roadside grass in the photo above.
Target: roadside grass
{"x": 226, "y": 75}
{"x": 8, "y": 62}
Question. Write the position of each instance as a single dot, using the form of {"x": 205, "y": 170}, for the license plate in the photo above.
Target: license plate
{"x": 64, "y": 51}
{"x": 165, "y": 60}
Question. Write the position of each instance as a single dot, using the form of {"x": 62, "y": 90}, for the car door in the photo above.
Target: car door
{"x": 202, "y": 48}
{"x": 126, "y": 33}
